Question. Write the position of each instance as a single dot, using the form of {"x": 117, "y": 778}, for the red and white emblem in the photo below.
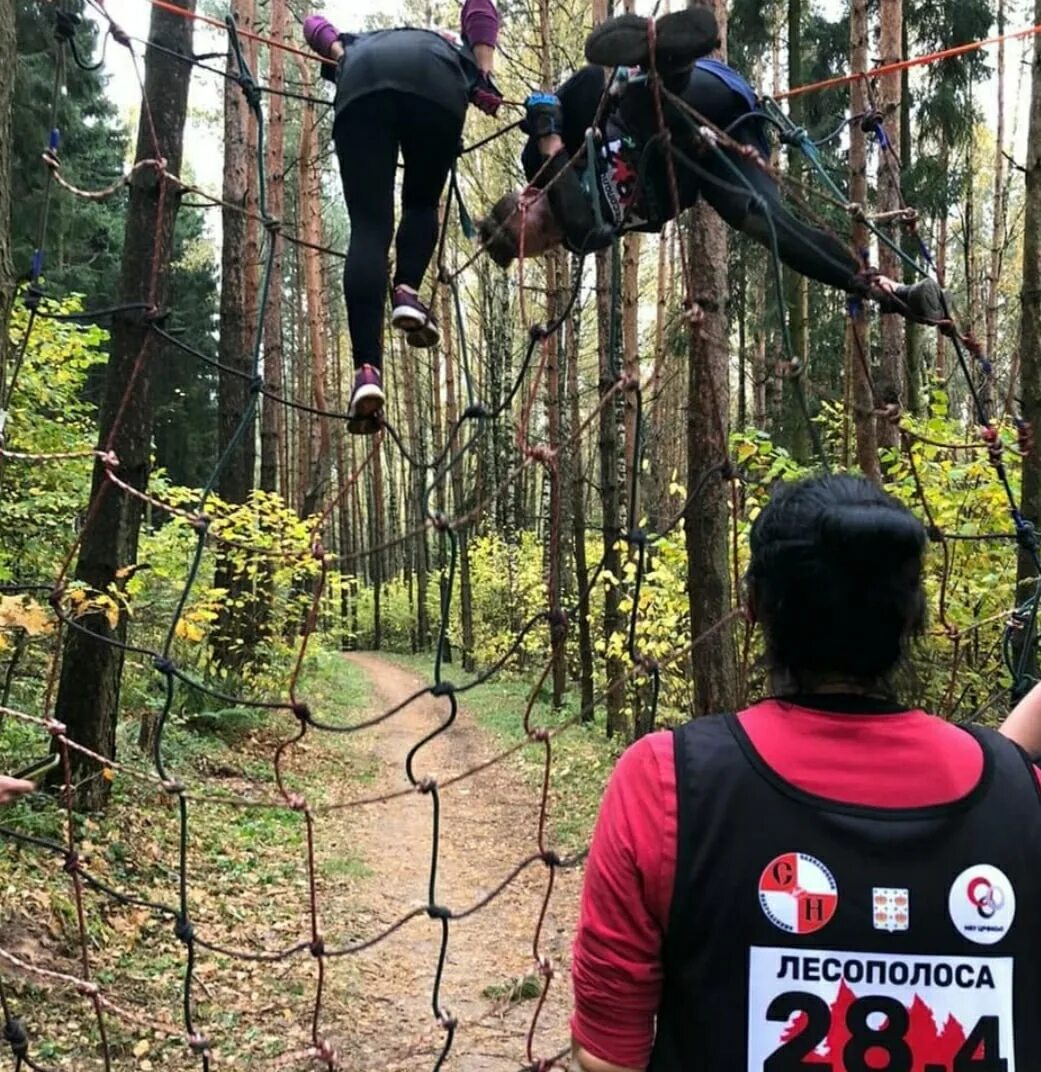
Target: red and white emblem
{"x": 798, "y": 893}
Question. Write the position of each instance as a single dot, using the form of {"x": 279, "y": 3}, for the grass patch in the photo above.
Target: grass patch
{"x": 247, "y": 885}
{"x": 583, "y": 758}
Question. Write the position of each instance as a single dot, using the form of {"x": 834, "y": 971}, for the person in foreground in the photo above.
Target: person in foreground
{"x": 408, "y": 90}
{"x": 628, "y": 188}
{"x": 828, "y": 879}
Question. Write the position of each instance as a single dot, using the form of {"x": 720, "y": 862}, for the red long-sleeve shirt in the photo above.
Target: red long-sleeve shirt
{"x": 902, "y": 759}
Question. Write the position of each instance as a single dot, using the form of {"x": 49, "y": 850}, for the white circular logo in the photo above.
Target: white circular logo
{"x": 982, "y": 904}
{"x": 798, "y": 893}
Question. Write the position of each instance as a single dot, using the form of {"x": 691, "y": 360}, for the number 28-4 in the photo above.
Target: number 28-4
{"x": 886, "y": 1040}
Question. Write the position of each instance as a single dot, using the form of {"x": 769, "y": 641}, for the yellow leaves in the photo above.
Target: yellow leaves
{"x": 108, "y": 774}
{"x": 745, "y": 451}
{"x": 141, "y": 1048}
{"x": 188, "y": 630}
{"x": 20, "y": 612}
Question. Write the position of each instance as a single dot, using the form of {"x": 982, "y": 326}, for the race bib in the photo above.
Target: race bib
{"x": 815, "y": 1009}
{"x": 619, "y": 181}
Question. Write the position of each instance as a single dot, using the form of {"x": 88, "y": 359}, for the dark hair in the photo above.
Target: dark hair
{"x": 495, "y": 230}
{"x": 836, "y": 580}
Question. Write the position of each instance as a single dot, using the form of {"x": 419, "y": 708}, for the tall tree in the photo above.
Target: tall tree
{"x": 859, "y": 333}
{"x": 238, "y": 266}
{"x": 707, "y": 519}
{"x": 1030, "y": 313}
{"x": 271, "y": 422}
{"x": 889, "y": 263}
{"x": 7, "y": 282}
{"x": 91, "y": 672}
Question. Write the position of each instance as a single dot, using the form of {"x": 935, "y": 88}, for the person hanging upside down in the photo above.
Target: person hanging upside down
{"x": 830, "y": 878}
{"x": 397, "y": 90}
{"x": 626, "y": 187}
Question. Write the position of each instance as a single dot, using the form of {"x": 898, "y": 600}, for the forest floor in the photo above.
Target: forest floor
{"x": 248, "y": 888}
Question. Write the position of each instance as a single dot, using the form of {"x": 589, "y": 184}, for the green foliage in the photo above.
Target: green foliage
{"x": 47, "y": 415}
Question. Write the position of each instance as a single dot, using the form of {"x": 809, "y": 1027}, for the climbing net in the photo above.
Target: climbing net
{"x": 535, "y": 366}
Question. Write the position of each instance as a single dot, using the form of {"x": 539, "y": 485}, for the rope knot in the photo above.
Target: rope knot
{"x": 301, "y": 711}
{"x": 55, "y": 728}
{"x": 65, "y": 23}
{"x": 871, "y": 121}
{"x": 629, "y": 381}
{"x": 173, "y": 787}
{"x": 438, "y": 912}
{"x": 426, "y": 785}
{"x": 558, "y": 620}
{"x": 538, "y": 332}
{"x": 540, "y": 734}
{"x": 1025, "y": 436}
{"x": 545, "y": 967}
{"x": 1026, "y": 533}
{"x": 637, "y": 537}
{"x": 439, "y": 521}
{"x": 935, "y": 533}
{"x": 542, "y": 453}
{"x": 447, "y": 1021}
{"x": 317, "y": 947}
{"x": 550, "y": 858}
{"x": 199, "y": 1044}
{"x": 323, "y": 1051}
{"x": 183, "y": 930}
{"x": 57, "y": 595}
{"x": 442, "y": 688}
{"x": 296, "y": 802}
{"x": 647, "y": 663}
{"x": 164, "y": 665}
{"x": 109, "y": 459}
{"x": 72, "y": 862}
{"x": 17, "y": 1039}
{"x": 201, "y": 523}
{"x": 475, "y": 413}
{"x": 256, "y": 385}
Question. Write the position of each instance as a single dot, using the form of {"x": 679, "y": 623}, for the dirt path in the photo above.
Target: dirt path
{"x": 488, "y": 825}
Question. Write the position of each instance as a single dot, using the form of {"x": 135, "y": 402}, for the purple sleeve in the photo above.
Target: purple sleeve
{"x": 480, "y": 22}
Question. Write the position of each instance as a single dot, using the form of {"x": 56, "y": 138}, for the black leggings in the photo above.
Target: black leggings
{"x": 746, "y": 197}
{"x": 368, "y": 135}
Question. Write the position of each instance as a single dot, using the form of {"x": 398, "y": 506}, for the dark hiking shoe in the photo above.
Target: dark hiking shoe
{"x": 410, "y": 315}
{"x": 367, "y": 402}
{"x": 925, "y": 301}
{"x": 681, "y": 38}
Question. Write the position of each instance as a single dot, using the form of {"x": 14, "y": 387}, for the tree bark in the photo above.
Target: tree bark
{"x": 7, "y": 276}
{"x": 91, "y": 673}
{"x": 997, "y": 234}
{"x": 892, "y": 369}
{"x": 796, "y": 436}
{"x": 860, "y": 325}
{"x": 237, "y": 287}
{"x": 1030, "y": 317}
{"x": 707, "y": 519}
{"x": 271, "y": 422}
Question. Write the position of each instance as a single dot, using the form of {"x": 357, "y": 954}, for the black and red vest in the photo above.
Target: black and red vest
{"x": 806, "y": 934}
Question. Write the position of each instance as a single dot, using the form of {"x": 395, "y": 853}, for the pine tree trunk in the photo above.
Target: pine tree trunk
{"x": 912, "y": 332}
{"x": 997, "y": 234}
{"x": 271, "y": 421}
{"x": 1030, "y": 315}
{"x": 88, "y": 695}
{"x": 237, "y": 287}
{"x": 578, "y": 524}
{"x": 892, "y": 372}
{"x": 796, "y": 436}
{"x": 707, "y": 520}
{"x": 7, "y": 276}
{"x": 941, "y": 259}
{"x": 466, "y": 613}
{"x": 860, "y": 358}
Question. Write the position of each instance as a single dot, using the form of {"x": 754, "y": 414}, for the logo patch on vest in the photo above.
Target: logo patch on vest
{"x": 855, "y": 1012}
{"x": 891, "y": 908}
{"x": 798, "y": 893}
{"x": 982, "y": 904}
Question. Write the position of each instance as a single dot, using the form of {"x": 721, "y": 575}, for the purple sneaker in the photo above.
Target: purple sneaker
{"x": 321, "y": 35}
{"x": 410, "y": 315}
{"x": 363, "y": 414}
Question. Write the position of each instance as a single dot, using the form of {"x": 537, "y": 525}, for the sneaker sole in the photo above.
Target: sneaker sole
{"x": 366, "y": 403}
{"x": 425, "y": 337}
{"x": 680, "y": 36}
{"x": 363, "y": 426}
{"x": 405, "y": 318}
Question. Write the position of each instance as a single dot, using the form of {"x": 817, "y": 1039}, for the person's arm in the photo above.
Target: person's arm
{"x": 480, "y": 25}
{"x": 617, "y": 969}
{"x": 1023, "y": 724}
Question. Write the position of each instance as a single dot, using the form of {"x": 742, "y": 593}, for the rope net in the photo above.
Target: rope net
{"x": 298, "y": 942}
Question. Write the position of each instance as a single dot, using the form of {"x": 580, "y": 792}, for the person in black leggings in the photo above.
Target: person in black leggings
{"x": 397, "y": 90}
{"x": 629, "y": 190}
